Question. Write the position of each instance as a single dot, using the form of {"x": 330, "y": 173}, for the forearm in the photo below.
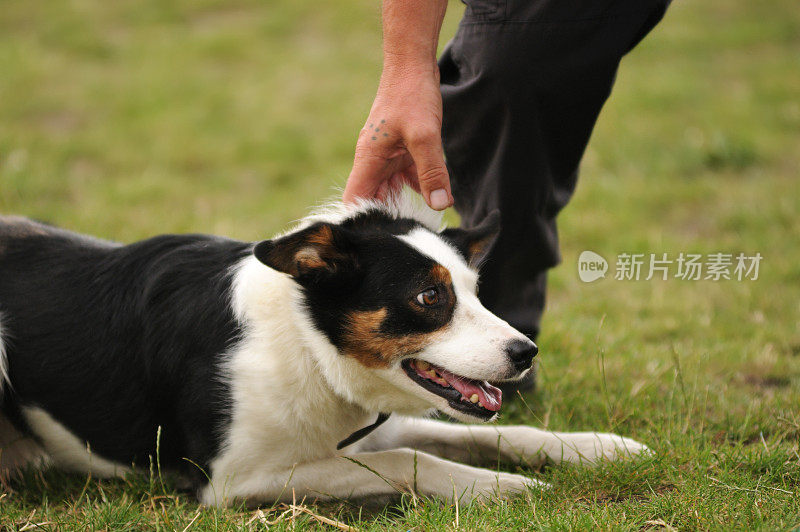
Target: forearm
{"x": 411, "y": 33}
{"x": 401, "y": 141}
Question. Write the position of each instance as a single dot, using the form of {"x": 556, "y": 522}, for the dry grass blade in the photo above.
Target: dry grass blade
{"x": 257, "y": 515}
{"x": 261, "y": 517}
{"x": 32, "y": 526}
{"x": 196, "y": 515}
{"x": 323, "y": 519}
{"x": 737, "y": 488}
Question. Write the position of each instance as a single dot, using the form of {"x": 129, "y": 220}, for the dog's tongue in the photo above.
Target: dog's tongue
{"x": 490, "y": 397}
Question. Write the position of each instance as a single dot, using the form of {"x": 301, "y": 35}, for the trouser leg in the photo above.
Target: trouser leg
{"x": 523, "y": 82}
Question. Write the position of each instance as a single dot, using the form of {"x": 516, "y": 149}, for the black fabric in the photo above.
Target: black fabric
{"x": 522, "y": 85}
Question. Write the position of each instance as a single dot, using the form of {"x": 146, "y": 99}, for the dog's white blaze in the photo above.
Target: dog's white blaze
{"x": 432, "y": 245}
{"x": 65, "y": 448}
{"x": 475, "y": 344}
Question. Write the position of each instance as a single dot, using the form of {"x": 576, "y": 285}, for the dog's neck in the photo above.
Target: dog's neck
{"x": 273, "y": 367}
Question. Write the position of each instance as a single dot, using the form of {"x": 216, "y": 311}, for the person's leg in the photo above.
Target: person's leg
{"x": 523, "y": 82}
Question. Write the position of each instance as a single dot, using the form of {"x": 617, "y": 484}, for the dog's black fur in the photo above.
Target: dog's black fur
{"x": 114, "y": 341}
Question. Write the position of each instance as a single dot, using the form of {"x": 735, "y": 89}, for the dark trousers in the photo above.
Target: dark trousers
{"x": 523, "y": 82}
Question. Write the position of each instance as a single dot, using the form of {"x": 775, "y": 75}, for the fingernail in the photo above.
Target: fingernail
{"x": 440, "y": 199}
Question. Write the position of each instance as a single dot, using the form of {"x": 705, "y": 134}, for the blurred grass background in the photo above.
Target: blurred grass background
{"x": 126, "y": 119}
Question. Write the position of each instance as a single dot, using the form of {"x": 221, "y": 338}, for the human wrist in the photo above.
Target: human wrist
{"x": 411, "y": 36}
{"x": 409, "y": 64}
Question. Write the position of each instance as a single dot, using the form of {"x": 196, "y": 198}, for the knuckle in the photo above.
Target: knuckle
{"x": 434, "y": 174}
{"x": 424, "y": 135}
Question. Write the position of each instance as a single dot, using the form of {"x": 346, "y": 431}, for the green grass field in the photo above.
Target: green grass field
{"x": 130, "y": 118}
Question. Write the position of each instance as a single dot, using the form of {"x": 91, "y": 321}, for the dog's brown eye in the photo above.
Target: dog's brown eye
{"x": 428, "y": 298}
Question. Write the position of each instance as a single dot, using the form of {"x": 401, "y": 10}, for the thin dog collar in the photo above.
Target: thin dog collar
{"x": 361, "y": 433}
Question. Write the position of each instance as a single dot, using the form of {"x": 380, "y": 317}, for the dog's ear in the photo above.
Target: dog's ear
{"x": 476, "y": 242}
{"x": 313, "y": 253}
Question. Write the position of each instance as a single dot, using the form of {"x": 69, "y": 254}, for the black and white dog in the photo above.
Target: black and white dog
{"x": 246, "y": 364}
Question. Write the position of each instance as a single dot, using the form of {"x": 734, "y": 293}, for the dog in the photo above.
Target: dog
{"x": 259, "y": 372}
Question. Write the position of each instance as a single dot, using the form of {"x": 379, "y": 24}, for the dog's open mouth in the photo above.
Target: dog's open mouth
{"x": 473, "y": 397}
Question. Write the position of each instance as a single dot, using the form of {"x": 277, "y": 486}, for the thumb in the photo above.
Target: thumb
{"x": 432, "y": 176}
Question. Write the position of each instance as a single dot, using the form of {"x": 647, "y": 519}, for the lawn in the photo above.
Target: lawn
{"x": 130, "y": 118}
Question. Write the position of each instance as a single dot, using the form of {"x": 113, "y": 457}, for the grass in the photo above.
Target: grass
{"x": 126, "y": 119}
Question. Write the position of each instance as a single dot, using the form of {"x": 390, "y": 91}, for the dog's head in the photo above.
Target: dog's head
{"x": 397, "y": 299}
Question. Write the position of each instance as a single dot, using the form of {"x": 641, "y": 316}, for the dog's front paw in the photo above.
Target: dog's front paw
{"x": 591, "y": 447}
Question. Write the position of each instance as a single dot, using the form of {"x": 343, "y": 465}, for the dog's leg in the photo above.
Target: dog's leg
{"x": 363, "y": 475}
{"x": 481, "y": 444}
{"x": 17, "y": 451}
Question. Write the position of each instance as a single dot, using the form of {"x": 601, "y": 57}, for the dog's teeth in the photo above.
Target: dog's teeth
{"x": 422, "y": 365}
{"x": 432, "y": 374}
{"x": 474, "y": 398}
{"x": 442, "y": 382}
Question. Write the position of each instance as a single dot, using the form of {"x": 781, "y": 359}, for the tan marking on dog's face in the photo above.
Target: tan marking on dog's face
{"x": 440, "y": 274}
{"x": 365, "y": 342}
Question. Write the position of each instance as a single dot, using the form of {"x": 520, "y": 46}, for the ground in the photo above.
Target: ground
{"x": 129, "y": 118}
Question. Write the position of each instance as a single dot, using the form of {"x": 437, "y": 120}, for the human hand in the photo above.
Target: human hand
{"x": 401, "y": 143}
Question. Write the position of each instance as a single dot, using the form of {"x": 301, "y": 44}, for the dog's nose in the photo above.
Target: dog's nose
{"x": 521, "y": 353}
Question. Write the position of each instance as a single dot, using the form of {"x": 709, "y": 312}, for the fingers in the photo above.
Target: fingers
{"x": 425, "y": 148}
{"x": 413, "y": 156}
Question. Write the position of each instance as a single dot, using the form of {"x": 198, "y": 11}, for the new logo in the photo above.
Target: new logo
{"x": 591, "y": 266}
